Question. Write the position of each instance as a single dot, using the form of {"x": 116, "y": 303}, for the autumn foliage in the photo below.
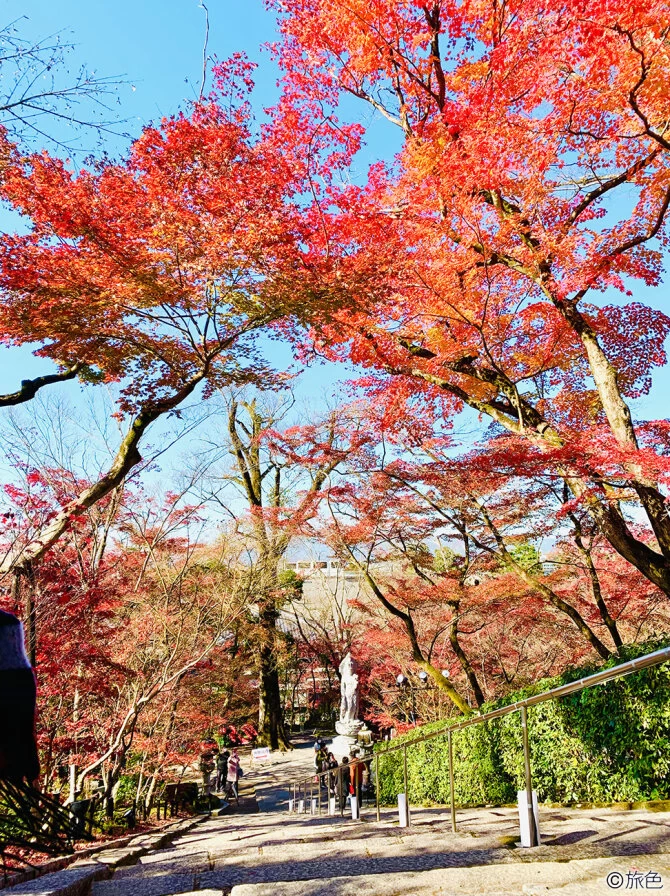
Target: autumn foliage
{"x": 532, "y": 176}
{"x": 492, "y": 484}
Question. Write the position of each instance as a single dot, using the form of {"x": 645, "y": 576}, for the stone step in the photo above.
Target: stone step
{"x": 283, "y": 855}
{"x": 581, "y": 877}
{"x": 159, "y": 885}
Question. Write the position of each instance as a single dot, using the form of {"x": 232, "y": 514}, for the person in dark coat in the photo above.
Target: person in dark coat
{"x": 332, "y": 765}
{"x": 344, "y": 783}
{"x": 18, "y": 693}
{"x": 222, "y": 770}
{"x": 320, "y": 760}
{"x": 206, "y": 766}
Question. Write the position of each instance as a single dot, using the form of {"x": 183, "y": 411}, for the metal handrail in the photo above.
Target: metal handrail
{"x": 642, "y": 662}
{"x": 520, "y": 706}
{"x": 300, "y": 784}
{"x": 581, "y": 684}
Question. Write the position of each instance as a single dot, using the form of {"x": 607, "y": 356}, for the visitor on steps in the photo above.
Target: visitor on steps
{"x": 222, "y": 770}
{"x": 331, "y": 765}
{"x": 320, "y": 759}
{"x": 206, "y": 766}
{"x": 18, "y": 748}
{"x": 233, "y": 775}
{"x": 356, "y": 767}
{"x": 344, "y": 783}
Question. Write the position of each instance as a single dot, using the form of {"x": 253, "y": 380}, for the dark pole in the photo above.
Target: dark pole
{"x": 377, "y": 785}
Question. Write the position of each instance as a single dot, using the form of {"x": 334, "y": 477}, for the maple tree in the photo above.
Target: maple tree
{"x": 279, "y": 472}
{"x": 123, "y": 609}
{"x": 154, "y": 272}
{"x": 445, "y": 545}
{"x": 532, "y": 175}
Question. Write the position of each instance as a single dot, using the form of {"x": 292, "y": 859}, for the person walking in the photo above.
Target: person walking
{"x": 206, "y": 766}
{"x": 331, "y": 765}
{"x": 222, "y": 770}
{"x": 344, "y": 783}
{"x": 356, "y": 776}
{"x": 320, "y": 760}
{"x": 233, "y": 775}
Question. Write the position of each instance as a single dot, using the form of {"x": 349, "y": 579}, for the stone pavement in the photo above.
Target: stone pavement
{"x": 266, "y": 776}
{"x": 273, "y": 854}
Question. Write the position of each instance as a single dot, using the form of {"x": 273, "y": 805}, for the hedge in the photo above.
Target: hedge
{"x": 609, "y": 743}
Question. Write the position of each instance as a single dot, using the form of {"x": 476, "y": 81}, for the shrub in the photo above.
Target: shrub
{"x": 608, "y": 743}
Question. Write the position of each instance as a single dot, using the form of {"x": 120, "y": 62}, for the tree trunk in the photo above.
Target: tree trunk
{"x": 22, "y": 593}
{"x": 603, "y": 609}
{"x": 108, "y": 794}
{"x": 271, "y": 729}
{"x": 466, "y": 666}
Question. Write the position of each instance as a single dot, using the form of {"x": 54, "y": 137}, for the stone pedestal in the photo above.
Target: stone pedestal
{"x": 342, "y": 746}
{"x": 347, "y": 738}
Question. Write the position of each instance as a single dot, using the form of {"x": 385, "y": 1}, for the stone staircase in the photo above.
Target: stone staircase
{"x": 244, "y": 852}
{"x": 273, "y": 854}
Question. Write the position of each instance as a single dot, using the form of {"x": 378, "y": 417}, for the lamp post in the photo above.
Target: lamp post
{"x": 403, "y": 683}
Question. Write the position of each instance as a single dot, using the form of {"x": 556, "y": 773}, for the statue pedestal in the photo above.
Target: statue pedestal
{"x": 347, "y": 737}
{"x": 341, "y": 746}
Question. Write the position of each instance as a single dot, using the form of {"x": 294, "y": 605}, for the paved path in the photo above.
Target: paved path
{"x": 276, "y": 854}
{"x": 267, "y": 777}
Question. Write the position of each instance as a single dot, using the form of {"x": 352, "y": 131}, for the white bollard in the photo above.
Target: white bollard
{"x": 314, "y": 805}
{"x": 291, "y": 804}
{"x": 523, "y": 817}
{"x": 402, "y": 811}
{"x": 301, "y": 806}
{"x": 354, "y": 807}
{"x": 331, "y": 806}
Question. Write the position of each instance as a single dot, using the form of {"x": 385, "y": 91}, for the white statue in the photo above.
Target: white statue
{"x": 349, "y": 690}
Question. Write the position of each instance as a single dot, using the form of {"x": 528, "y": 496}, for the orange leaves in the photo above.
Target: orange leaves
{"x": 533, "y": 174}
{"x": 156, "y": 268}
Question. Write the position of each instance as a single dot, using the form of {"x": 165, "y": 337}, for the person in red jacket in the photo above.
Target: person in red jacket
{"x": 18, "y": 747}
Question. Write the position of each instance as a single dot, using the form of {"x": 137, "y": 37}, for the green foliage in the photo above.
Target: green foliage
{"x": 444, "y": 559}
{"x": 608, "y": 743}
{"x": 527, "y": 556}
{"x": 291, "y": 583}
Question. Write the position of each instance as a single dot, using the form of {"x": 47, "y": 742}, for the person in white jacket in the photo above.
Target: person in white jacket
{"x": 233, "y": 774}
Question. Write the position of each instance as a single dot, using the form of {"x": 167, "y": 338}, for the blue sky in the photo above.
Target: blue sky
{"x": 156, "y": 46}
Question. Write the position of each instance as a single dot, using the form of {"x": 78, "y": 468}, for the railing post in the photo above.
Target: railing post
{"x": 377, "y": 785}
{"x": 529, "y": 782}
{"x": 404, "y": 764}
{"x": 452, "y": 798}
{"x": 340, "y": 794}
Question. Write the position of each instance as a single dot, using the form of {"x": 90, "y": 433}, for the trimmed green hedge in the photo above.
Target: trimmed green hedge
{"x": 609, "y": 743}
